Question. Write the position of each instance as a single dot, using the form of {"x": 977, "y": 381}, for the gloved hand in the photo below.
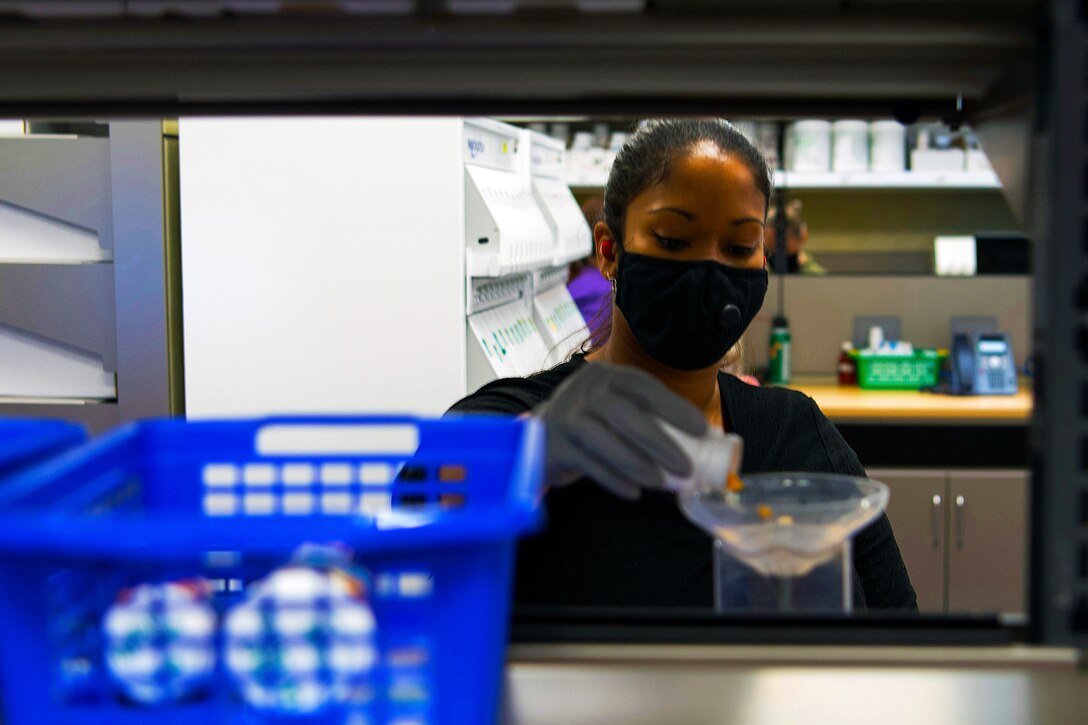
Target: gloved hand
{"x": 602, "y": 422}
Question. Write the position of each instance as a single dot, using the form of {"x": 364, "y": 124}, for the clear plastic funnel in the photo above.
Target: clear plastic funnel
{"x": 792, "y": 530}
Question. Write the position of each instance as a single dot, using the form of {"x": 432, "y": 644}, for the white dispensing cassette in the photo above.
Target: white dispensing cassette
{"x": 510, "y": 340}
{"x": 504, "y": 339}
{"x": 505, "y": 230}
{"x": 557, "y": 316}
{"x": 572, "y": 234}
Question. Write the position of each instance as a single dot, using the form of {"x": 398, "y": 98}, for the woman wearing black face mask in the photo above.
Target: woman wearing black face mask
{"x": 682, "y": 242}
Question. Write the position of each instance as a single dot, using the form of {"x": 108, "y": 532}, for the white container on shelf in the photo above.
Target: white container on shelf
{"x": 888, "y": 152}
{"x": 850, "y": 145}
{"x": 925, "y": 158}
{"x": 937, "y": 160}
{"x": 808, "y": 146}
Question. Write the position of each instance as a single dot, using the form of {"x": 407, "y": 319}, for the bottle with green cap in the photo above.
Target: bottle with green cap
{"x": 779, "y": 369}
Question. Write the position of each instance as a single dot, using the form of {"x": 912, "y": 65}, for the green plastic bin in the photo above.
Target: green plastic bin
{"x": 899, "y": 372}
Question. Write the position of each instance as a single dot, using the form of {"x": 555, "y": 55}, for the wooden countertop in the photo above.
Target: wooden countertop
{"x": 851, "y": 404}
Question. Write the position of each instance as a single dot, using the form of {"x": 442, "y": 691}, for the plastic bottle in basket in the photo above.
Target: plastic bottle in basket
{"x": 160, "y": 641}
{"x": 302, "y": 640}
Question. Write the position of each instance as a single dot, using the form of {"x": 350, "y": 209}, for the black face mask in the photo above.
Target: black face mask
{"x": 687, "y": 314}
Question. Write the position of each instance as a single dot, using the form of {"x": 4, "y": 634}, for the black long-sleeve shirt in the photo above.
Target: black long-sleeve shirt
{"x": 599, "y": 550}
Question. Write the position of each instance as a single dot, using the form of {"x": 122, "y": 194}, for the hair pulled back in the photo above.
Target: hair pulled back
{"x": 646, "y": 157}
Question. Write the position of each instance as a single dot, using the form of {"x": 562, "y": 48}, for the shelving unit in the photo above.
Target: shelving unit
{"x": 27, "y": 237}
{"x": 846, "y": 181}
{"x": 57, "y": 337}
{"x": 82, "y": 244}
{"x": 913, "y": 180}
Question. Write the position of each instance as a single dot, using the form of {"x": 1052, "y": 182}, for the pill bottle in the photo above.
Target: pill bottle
{"x": 713, "y": 456}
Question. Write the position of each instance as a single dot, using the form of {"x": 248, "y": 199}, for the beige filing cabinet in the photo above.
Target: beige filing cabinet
{"x": 963, "y": 535}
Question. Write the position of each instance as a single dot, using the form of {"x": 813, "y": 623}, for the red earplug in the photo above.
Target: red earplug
{"x": 606, "y": 249}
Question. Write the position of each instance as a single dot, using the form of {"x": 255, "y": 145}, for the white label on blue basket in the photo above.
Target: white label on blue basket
{"x": 415, "y": 585}
{"x": 336, "y": 503}
{"x": 298, "y": 474}
{"x": 336, "y": 474}
{"x": 259, "y": 474}
{"x": 334, "y": 439}
{"x": 220, "y": 504}
{"x": 220, "y": 474}
{"x": 374, "y": 504}
{"x": 376, "y": 474}
{"x": 298, "y": 504}
{"x": 259, "y": 504}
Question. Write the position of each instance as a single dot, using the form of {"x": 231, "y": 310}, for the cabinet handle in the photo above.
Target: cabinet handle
{"x": 935, "y": 520}
{"x": 960, "y": 503}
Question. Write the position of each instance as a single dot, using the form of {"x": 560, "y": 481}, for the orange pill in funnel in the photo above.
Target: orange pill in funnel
{"x": 765, "y": 512}
{"x": 734, "y": 483}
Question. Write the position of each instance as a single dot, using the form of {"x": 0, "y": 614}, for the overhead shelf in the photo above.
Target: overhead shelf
{"x": 849, "y": 181}
{"x": 927, "y": 180}
{"x": 32, "y": 367}
{"x": 28, "y": 237}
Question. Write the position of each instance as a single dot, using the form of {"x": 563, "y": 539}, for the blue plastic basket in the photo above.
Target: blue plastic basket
{"x": 24, "y": 442}
{"x": 433, "y": 514}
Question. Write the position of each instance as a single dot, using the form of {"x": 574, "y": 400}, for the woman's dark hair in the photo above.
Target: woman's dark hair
{"x": 645, "y": 160}
{"x": 646, "y": 157}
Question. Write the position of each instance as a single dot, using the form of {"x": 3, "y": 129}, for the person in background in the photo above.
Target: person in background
{"x": 682, "y": 247}
{"x": 798, "y": 260}
{"x": 585, "y": 283}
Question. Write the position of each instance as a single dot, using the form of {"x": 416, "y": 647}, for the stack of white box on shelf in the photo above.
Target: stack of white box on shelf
{"x": 361, "y": 265}
{"x": 557, "y": 316}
